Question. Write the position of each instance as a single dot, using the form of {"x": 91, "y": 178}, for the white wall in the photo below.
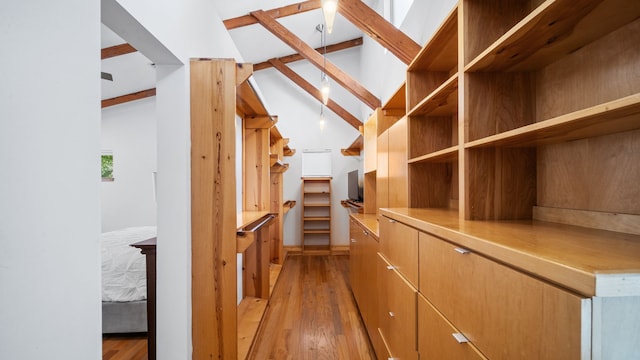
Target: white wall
{"x": 129, "y": 131}
{"x": 298, "y": 115}
{"x": 49, "y": 190}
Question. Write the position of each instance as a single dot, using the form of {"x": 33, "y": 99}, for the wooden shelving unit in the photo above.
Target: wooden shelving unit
{"x": 316, "y": 215}
{"x": 523, "y": 130}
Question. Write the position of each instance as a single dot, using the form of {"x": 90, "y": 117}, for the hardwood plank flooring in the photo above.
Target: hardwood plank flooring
{"x": 124, "y": 347}
{"x": 312, "y": 313}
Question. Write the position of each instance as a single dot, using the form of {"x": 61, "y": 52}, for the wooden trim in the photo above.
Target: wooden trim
{"x": 288, "y": 10}
{"x": 128, "y": 97}
{"x": 305, "y": 85}
{"x": 339, "y": 76}
{"x": 625, "y": 223}
{"x": 297, "y": 57}
{"x": 116, "y": 50}
{"x": 213, "y": 209}
{"x": 379, "y": 29}
{"x": 355, "y": 148}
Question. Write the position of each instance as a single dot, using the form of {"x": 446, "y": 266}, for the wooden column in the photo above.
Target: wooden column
{"x": 213, "y": 209}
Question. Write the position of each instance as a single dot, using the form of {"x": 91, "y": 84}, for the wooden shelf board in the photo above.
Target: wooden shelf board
{"x": 279, "y": 167}
{"x": 445, "y": 155}
{"x": 317, "y": 205}
{"x": 317, "y": 231}
{"x": 355, "y": 148}
{"x": 250, "y": 313}
{"x": 273, "y": 159}
{"x": 441, "y": 52}
{"x": 397, "y": 103}
{"x": 289, "y": 152}
{"x": 551, "y": 31}
{"x": 288, "y": 205}
{"x": 317, "y": 218}
{"x": 274, "y": 135}
{"x": 608, "y": 118}
{"x": 442, "y": 101}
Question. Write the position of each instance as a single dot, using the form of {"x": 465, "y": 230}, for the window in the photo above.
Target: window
{"x": 107, "y": 165}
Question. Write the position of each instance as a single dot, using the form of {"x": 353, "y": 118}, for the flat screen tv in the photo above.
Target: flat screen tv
{"x": 354, "y": 190}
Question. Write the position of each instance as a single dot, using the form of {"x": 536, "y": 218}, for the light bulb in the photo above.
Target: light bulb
{"x": 329, "y": 8}
{"x": 321, "y": 121}
{"x": 324, "y": 89}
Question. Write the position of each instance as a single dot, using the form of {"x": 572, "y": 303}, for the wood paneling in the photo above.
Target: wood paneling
{"x": 213, "y": 209}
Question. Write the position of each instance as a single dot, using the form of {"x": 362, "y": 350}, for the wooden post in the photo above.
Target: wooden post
{"x": 213, "y": 209}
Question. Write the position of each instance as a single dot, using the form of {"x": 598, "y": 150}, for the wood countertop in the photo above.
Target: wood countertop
{"x": 369, "y": 221}
{"x": 588, "y": 261}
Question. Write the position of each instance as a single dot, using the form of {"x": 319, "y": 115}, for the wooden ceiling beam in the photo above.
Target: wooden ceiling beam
{"x": 313, "y": 91}
{"x": 288, "y": 10}
{"x": 116, "y": 50}
{"x": 297, "y": 57}
{"x": 128, "y": 97}
{"x": 339, "y": 76}
{"x": 379, "y": 29}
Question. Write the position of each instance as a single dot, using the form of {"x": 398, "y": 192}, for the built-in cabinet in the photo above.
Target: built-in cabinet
{"x": 316, "y": 214}
{"x": 521, "y": 233}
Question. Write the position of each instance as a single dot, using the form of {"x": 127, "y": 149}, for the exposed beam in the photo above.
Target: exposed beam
{"x": 129, "y": 97}
{"x": 339, "y": 76}
{"x": 296, "y": 57}
{"x": 379, "y": 29}
{"x": 117, "y": 50}
{"x": 275, "y": 13}
{"x": 305, "y": 85}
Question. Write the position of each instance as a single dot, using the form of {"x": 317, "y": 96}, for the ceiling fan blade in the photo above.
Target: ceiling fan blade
{"x": 106, "y": 76}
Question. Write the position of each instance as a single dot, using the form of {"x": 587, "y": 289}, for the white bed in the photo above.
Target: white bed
{"x": 124, "y": 284}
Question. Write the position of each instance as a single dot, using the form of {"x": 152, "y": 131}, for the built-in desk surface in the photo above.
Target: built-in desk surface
{"x": 369, "y": 221}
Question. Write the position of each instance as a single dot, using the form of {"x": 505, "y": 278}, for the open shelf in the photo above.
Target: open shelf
{"x": 355, "y": 148}
{"x": 551, "y": 31}
{"x": 445, "y": 155}
{"x": 435, "y": 63}
{"x": 442, "y": 101}
{"x": 397, "y": 103}
{"x": 608, "y": 118}
{"x": 316, "y": 212}
{"x": 279, "y": 167}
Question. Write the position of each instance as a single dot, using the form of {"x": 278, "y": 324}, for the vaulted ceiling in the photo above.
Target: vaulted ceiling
{"x": 271, "y": 38}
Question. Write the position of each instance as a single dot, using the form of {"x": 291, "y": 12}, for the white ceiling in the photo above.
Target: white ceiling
{"x": 133, "y": 72}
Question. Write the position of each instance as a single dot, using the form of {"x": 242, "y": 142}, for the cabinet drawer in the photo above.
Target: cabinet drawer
{"x": 506, "y": 314}
{"x": 397, "y": 316}
{"x": 435, "y": 336}
{"x": 399, "y": 244}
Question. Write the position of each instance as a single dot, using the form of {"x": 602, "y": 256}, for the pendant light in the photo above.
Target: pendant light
{"x": 325, "y": 86}
{"x": 329, "y": 9}
{"x": 321, "y": 121}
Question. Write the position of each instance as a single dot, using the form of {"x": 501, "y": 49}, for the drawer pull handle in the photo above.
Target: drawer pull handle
{"x": 392, "y": 221}
{"x": 391, "y": 314}
{"x": 460, "y": 338}
{"x": 365, "y": 233}
{"x": 353, "y": 241}
{"x": 462, "y": 251}
{"x": 390, "y": 267}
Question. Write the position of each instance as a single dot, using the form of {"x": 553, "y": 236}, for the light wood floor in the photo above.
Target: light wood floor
{"x": 124, "y": 347}
{"x": 312, "y": 314}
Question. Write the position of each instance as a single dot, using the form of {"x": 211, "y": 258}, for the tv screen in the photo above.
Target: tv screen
{"x": 354, "y": 191}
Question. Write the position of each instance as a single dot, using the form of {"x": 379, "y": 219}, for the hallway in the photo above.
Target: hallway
{"x": 312, "y": 313}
